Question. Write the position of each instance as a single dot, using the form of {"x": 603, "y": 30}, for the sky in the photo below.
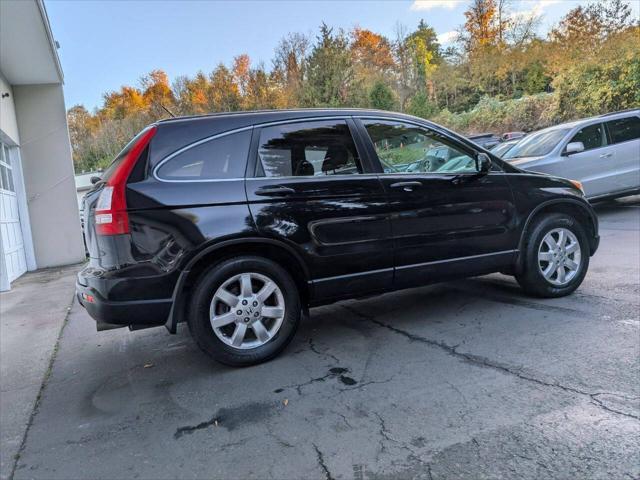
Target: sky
{"x": 107, "y": 44}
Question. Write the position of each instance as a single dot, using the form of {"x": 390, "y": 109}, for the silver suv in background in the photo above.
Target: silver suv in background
{"x": 601, "y": 152}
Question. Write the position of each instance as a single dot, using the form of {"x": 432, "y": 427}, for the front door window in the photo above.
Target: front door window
{"x": 591, "y": 137}
{"x": 406, "y": 148}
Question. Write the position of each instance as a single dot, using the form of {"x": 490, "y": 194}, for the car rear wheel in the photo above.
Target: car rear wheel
{"x": 244, "y": 311}
{"x": 556, "y": 257}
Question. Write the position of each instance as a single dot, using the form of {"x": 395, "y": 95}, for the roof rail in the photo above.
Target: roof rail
{"x": 621, "y": 111}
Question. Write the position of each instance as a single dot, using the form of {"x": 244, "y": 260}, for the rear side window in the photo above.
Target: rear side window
{"x": 591, "y": 136}
{"x": 307, "y": 149}
{"x": 624, "y": 129}
{"x": 216, "y": 159}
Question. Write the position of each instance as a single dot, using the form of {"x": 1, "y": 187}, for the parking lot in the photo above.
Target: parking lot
{"x": 468, "y": 379}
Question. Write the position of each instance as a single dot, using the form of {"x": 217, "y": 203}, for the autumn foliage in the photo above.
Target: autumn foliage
{"x": 500, "y": 74}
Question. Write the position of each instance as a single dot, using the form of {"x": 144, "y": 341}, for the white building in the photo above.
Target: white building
{"x": 39, "y": 222}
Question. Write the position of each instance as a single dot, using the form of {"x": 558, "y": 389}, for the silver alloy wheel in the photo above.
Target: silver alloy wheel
{"x": 247, "y": 310}
{"x": 559, "y": 256}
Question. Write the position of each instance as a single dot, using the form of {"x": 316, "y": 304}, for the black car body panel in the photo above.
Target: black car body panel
{"x": 342, "y": 235}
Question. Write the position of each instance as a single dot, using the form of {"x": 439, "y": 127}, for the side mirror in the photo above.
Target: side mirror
{"x": 483, "y": 163}
{"x": 95, "y": 180}
{"x": 574, "y": 147}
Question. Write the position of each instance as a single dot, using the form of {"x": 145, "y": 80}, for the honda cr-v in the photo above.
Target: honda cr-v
{"x": 238, "y": 223}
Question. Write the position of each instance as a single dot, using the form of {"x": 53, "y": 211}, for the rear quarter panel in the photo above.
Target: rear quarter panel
{"x": 171, "y": 222}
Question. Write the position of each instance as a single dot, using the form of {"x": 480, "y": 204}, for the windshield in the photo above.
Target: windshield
{"x": 502, "y": 148}
{"x": 537, "y": 144}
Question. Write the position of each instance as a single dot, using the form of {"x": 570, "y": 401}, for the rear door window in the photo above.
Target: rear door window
{"x": 314, "y": 148}
{"x": 591, "y": 136}
{"x": 220, "y": 158}
{"x": 624, "y": 129}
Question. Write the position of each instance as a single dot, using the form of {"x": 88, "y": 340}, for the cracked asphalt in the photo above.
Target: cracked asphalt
{"x": 468, "y": 379}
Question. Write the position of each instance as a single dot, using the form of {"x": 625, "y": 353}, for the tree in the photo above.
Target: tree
{"x": 329, "y": 70}
{"x": 421, "y": 106}
{"x": 483, "y": 26}
{"x": 427, "y": 38}
{"x": 124, "y": 103}
{"x": 198, "y": 94}
{"x": 241, "y": 70}
{"x": 607, "y": 82}
{"x": 289, "y": 66}
{"x": 371, "y": 52}
{"x": 157, "y": 94}
{"x": 404, "y": 65}
{"x": 224, "y": 94}
{"x": 382, "y": 97}
{"x": 616, "y": 16}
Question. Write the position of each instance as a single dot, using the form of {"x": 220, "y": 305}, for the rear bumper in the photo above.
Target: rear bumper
{"x": 112, "y": 314}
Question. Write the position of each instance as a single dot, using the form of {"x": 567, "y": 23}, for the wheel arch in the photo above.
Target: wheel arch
{"x": 285, "y": 255}
{"x": 581, "y": 211}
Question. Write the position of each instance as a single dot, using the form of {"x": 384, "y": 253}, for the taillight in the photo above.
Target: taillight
{"x": 111, "y": 210}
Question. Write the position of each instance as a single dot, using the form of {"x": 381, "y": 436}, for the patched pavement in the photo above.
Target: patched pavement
{"x": 468, "y": 379}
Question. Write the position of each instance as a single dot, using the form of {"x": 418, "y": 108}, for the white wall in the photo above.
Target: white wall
{"x": 8, "y": 112}
{"x": 48, "y": 174}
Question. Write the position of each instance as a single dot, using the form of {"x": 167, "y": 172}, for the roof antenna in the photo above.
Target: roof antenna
{"x": 167, "y": 110}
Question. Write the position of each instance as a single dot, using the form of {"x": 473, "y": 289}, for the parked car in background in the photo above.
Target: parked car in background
{"x": 237, "y": 223}
{"x": 601, "y": 152}
{"x": 485, "y": 140}
{"x": 512, "y": 136}
{"x": 502, "y": 148}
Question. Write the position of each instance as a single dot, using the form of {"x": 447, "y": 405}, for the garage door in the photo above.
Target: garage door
{"x": 10, "y": 231}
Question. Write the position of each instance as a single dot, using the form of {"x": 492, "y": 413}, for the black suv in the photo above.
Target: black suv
{"x": 238, "y": 223}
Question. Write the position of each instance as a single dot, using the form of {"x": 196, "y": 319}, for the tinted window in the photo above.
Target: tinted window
{"x": 591, "y": 136}
{"x": 307, "y": 149}
{"x": 221, "y": 158}
{"x": 624, "y": 129}
{"x": 537, "y": 144}
{"x": 412, "y": 149}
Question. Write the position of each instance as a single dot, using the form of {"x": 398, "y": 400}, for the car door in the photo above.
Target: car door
{"x": 624, "y": 137}
{"x": 593, "y": 165}
{"x": 447, "y": 220}
{"x": 314, "y": 190}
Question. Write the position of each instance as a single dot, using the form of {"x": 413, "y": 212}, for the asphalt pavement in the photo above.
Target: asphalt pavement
{"x": 467, "y": 379}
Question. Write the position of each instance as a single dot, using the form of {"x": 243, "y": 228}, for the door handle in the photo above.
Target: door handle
{"x": 606, "y": 155}
{"x": 406, "y": 186}
{"x": 277, "y": 190}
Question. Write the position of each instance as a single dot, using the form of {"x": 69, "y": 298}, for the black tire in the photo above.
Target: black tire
{"x": 209, "y": 282}
{"x": 530, "y": 277}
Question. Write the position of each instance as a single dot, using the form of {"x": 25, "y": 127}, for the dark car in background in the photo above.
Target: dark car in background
{"x": 485, "y": 140}
{"x": 512, "y": 136}
{"x": 238, "y": 223}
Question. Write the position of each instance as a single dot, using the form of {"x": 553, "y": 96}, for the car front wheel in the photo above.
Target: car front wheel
{"x": 556, "y": 257}
{"x": 244, "y": 311}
